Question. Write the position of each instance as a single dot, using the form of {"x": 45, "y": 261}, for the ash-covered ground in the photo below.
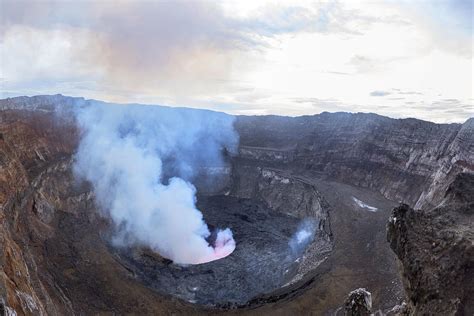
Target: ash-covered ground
{"x": 263, "y": 261}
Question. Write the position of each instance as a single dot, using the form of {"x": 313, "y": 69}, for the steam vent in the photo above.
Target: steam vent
{"x": 151, "y": 210}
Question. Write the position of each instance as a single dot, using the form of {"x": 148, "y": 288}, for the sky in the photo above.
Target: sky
{"x": 397, "y": 58}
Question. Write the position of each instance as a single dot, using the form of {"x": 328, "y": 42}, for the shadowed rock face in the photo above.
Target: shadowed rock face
{"x": 334, "y": 169}
{"x": 436, "y": 251}
{"x": 406, "y": 160}
{"x": 358, "y": 303}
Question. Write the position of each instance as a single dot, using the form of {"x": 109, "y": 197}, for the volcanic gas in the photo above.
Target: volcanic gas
{"x": 140, "y": 162}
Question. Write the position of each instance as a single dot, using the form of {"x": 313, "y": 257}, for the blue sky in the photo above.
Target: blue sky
{"x": 395, "y": 58}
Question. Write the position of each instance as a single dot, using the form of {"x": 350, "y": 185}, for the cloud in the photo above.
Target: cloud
{"x": 146, "y": 46}
{"x": 368, "y": 64}
{"x": 329, "y": 105}
{"x": 410, "y": 92}
{"x": 179, "y": 47}
{"x": 442, "y": 110}
{"x": 448, "y": 23}
{"x": 239, "y": 56}
{"x": 327, "y": 17}
{"x": 140, "y": 159}
{"x": 378, "y": 93}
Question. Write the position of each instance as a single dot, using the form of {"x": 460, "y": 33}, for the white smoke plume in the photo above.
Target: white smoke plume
{"x": 125, "y": 151}
{"x": 303, "y": 236}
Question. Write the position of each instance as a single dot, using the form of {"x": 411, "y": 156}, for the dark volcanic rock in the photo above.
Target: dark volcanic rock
{"x": 407, "y": 160}
{"x": 261, "y": 263}
{"x": 358, "y": 303}
{"x": 436, "y": 251}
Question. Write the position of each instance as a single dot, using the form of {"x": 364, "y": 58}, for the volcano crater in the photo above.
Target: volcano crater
{"x": 262, "y": 262}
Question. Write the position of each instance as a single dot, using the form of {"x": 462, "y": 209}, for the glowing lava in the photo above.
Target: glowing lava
{"x": 224, "y": 246}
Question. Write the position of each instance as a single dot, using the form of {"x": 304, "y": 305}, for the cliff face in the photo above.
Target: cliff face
{"x": 301, "y": 199}
{"x": 29, "y": 144}
{"x": 436, "y": 251}
{"x": 53, "y": 260}
{"x": 407, "y": 160}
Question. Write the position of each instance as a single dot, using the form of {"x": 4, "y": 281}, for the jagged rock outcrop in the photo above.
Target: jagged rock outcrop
{"x": 436, "y": 251}
{"x": 358, "y": 303}
{"x": 282, "y": 192}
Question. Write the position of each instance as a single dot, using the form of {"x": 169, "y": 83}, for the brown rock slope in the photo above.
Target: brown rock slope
{"x": 52, "y": 259}
{"x": 436, "y": 251}
{"x": 28, "y": 143}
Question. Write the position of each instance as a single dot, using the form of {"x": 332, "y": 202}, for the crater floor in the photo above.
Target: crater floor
{"x": 262, "y": 262}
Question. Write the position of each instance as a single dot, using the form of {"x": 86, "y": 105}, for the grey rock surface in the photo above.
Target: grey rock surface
{"x": 358, "y": 303}
{"x": 436, "y": 251}
{"x": 407, "y": 160}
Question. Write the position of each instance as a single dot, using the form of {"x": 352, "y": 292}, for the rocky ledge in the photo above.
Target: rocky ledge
{"x": 436, "y": 250}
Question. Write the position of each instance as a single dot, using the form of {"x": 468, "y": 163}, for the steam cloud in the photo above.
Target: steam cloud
{"x": 140, "y": 161}
{"x": 303, "y": 236}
